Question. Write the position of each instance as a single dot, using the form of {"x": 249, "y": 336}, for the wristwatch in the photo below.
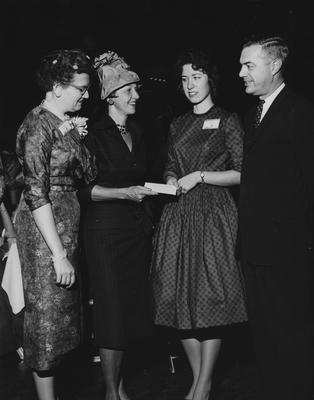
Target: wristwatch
{"x": 202, "y": 175}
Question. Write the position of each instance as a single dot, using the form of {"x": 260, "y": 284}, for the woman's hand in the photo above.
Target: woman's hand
{"x": 173, "y": 181}
{"x": 65, "y": 273}
{"x": 188, "y": 182}
{"x": 137, "y": 193}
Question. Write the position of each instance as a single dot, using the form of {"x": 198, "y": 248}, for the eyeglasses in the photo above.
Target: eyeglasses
{"x": 81, "y": 89}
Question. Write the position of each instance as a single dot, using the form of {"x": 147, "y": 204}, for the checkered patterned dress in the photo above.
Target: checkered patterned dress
{"x": 195, "y": 278}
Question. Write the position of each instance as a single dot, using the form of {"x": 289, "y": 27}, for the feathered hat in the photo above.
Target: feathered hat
{"x": 113, "y": 73}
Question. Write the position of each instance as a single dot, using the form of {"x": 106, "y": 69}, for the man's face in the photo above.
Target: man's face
{"x": 256, "y": 71}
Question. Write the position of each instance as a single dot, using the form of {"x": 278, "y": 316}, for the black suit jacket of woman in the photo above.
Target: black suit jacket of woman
{"x": 117, "y": 168}
{"x": 277, "y": 182}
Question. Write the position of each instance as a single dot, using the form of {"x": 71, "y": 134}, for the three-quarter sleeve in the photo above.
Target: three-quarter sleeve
{"x": 34, "y": 146}
{"x": 234, "y": 141}
{"x": 171, "y": 164}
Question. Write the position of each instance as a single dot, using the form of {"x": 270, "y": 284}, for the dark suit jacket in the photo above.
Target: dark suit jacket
{"x": 277, "y": 182}
{"x": 117, "y": 168}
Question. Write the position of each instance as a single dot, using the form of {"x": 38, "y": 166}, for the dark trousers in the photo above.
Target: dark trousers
{"x": 280, "y": 315}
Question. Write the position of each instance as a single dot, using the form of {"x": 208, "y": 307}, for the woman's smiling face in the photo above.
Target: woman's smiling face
{"x": 195, "y": 84}
{"x": 124, "y": 99}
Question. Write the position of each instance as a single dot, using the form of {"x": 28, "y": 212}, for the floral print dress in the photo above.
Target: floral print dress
{"x": 53, "y": 163}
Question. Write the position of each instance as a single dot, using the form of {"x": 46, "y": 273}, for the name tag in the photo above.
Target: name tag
{"x": 211, "y": 123}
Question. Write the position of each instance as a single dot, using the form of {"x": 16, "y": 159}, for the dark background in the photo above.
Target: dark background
{"x": 148, "y": 34}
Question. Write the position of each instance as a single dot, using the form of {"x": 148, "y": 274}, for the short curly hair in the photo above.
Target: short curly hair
{"x": 202, "y": 61}
{"x": 59, "y": 66}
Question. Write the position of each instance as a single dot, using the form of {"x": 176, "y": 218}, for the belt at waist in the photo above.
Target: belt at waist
{"x": 62, "y": 183}
{"x": 63, "y": 188}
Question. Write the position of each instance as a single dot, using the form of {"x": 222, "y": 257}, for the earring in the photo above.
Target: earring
{"x": 110, "y": 102}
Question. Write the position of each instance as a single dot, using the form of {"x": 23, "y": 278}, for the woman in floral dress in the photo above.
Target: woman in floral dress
{"x": 196, "y": 280}
{"x": 53, "y": 161}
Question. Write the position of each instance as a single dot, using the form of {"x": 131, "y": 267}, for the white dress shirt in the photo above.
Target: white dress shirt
{"x": 270, "y": 99}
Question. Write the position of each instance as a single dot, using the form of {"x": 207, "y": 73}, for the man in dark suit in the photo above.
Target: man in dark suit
{"x": 276, "y": 222}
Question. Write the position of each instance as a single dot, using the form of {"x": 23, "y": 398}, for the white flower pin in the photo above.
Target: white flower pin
{"x": 77, "y": 123}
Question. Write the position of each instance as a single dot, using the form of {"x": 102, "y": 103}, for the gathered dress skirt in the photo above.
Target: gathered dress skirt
{"x": 195, "y": 277}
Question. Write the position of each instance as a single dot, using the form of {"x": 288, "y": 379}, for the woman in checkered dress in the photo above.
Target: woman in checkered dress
{"x": 197, "y": 284}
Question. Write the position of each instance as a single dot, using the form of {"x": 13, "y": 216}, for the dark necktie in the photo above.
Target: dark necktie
{"x": 258, "y": 113}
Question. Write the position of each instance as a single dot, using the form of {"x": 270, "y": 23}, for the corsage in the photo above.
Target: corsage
{"x": 77, "y": 123}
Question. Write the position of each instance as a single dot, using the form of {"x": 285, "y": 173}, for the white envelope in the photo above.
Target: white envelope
{"x": 161, "y": 188}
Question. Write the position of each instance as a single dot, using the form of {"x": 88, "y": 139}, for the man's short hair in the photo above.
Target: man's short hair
{"x": 276, "y": 47}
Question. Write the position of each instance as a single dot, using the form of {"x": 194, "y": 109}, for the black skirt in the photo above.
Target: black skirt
{"x": 118, "y": 250}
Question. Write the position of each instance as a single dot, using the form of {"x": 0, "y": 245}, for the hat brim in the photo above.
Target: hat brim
{"x": 122, "y": 86}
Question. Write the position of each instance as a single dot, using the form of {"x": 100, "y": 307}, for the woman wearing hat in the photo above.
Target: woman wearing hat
{"x": 117, "y": 227}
